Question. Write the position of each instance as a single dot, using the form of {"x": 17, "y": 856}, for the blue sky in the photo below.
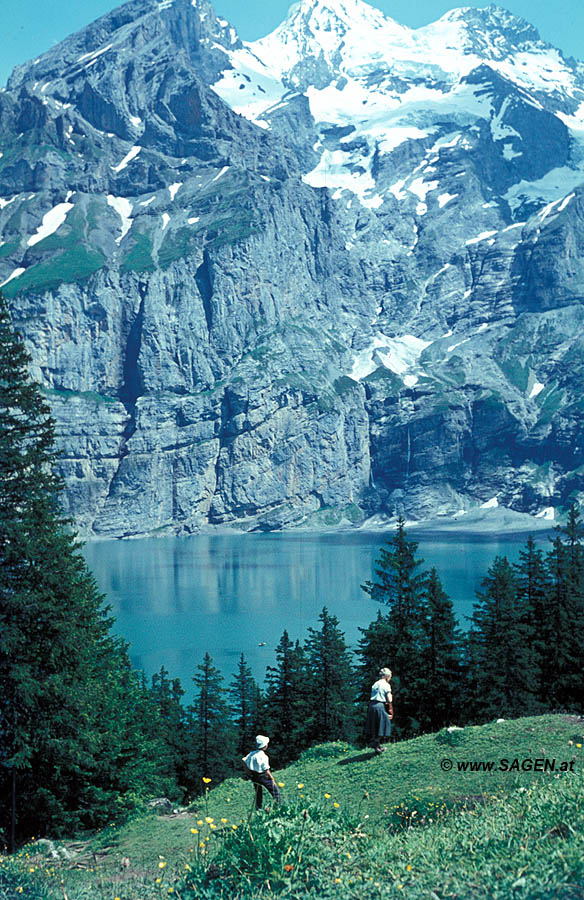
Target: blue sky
{"x": 29, "y": 27}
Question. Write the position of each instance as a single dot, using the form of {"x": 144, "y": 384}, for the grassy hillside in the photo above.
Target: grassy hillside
{"x": 355, "y": 825}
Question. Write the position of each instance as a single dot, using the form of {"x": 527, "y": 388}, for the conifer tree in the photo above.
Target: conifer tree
{"x": 287, "y": 701}
{"x": 332, "y": 713}
{"x": 399, "y": 586}
{"x": 533, "y": 590}
{"x": 564, "y": 622}
{"x": 167, "y": 694}
{"x": 213, "y": 749}
{"x": 442, "y": 657}
{"x": 64, "y": 751}
{"x": 244, "y": 694}
{"x": 504, "y": 683}
{"x": 375, "y": 649}
{"x": 574, "y": 531}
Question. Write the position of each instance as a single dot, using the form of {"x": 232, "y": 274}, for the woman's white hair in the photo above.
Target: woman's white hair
{"x": 385, "y": 672}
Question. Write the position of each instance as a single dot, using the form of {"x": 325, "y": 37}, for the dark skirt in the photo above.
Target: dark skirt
{"x": 378, "y": 722}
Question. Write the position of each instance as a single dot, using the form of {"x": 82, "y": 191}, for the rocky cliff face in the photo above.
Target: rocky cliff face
{"x": 333, "y": 274}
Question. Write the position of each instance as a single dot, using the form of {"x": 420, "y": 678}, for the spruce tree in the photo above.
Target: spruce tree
{"x": 213, "y": 734}
{"x": 287, "y": 701}
{"x": 533, "y": 590}
{"x": 63, "y": 749}
{"x": 332, "y": 712}
{"x": 245, "y": 699}
{"x": 374, "y": 649}
{"x": 564, "y": 622}
{"x": 441, "y": 688}
{"x": 167, "y": 694}
{"x": 574, "y": 531}
{"x": 399, "y": 586}
{"x": 504, "y": 683}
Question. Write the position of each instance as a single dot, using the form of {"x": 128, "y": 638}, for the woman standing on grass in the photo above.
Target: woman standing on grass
{"x": 380, "y": 711}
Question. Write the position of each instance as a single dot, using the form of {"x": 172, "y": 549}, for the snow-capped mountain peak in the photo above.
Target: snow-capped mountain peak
{"x": 334, "y": 32}
{"x": 324, "y": 43}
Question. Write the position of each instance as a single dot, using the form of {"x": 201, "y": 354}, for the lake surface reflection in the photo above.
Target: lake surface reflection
{"x": 176, "y": 598}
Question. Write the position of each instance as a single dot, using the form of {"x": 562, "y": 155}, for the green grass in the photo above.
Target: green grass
{"x": 550, "y": 402}
{"x": 176, "y": 245}
{"x": 8, "y": 248}
{"x": 74, "y": 264}
{"x": 356, "y": 825}
{"x": 515, "y": 371}
{"x": 91, "y": 396}
{"x": 139, "y": 258}
{"x": 333, "y": 515}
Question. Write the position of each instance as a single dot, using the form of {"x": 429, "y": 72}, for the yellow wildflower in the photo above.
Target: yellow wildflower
{"x": 206, "y": 781}
{"x": 200, "y": 822}
{"x": 158, "y": 880}
{"x": 194, "y": 830}
{"x": 208, "y": 820}
{"x": 280, "y": 784}
{"x": 408, "y": 868}
{"x": 224, "y": 821}
{"x": 162, "y": 864}
{"x": 336, "y": 805}
{"x": 234, "y": 827}
{"x": 300, "y": 786}
{"x": 327, "y": 796}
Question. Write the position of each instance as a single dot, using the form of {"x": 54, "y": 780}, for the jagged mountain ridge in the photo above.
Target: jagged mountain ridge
{"x": 362, "y": 301}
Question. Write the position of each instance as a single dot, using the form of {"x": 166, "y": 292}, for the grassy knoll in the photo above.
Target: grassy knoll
{"x": 353, "y": 825}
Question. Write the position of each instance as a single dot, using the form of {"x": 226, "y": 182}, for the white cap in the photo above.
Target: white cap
{"x": 262, "y": 741}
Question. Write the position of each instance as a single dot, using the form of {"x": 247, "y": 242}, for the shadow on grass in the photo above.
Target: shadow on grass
{"x": 367, "y": 754}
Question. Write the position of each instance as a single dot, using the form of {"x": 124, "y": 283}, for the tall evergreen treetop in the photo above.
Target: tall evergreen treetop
{"x": 442, "y": 656}
{"x": 399, "y": 583}
{"x": 212, "y": 728}
{"x": 288, "y": 700}
{"x": 60, "y": 668}
{"x": 400, "y": 587}
{"x": 244, "y": 693}
{"x": 505, "y": 681}
{"x": 332, "y": 680}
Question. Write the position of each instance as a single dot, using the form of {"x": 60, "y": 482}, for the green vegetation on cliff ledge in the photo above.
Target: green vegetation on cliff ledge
{"x": 354, "y": 825}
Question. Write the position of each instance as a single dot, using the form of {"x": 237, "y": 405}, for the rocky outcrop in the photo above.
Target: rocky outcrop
{"x": 261, "y": 296}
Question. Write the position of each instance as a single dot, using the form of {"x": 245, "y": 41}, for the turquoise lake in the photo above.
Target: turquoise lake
{"x": 176, "y": 598}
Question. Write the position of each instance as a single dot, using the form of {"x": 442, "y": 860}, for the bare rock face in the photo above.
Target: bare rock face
{"x": 267, "y": 288}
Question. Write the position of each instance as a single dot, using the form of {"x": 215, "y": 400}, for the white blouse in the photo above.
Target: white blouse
{"x": 381, "y": 691}
{"x": 257, "y": 761}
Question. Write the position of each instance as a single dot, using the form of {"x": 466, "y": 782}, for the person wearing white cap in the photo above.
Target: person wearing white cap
{"x": 257, "y": 767}
{"x": 380, "y": 710}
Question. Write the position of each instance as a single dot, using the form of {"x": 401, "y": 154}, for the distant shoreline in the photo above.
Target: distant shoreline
{"x": 476, "y": 523}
